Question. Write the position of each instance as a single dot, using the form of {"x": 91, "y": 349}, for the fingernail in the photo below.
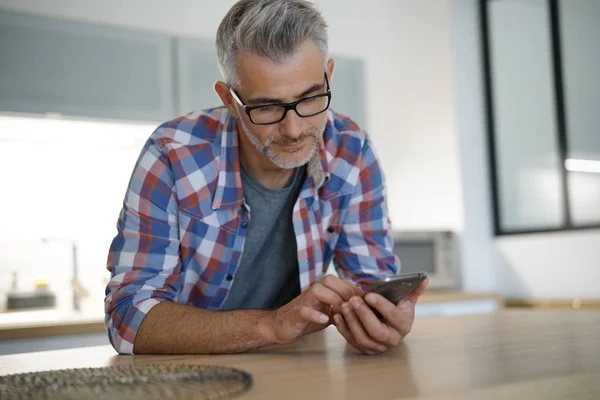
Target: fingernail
{"x": 372, "y": 299}
{"x": 355, "y": 303}
{"x": 336, "y": 319}
{"x": 324, "y": 319}
{"x": 345, "y": 308}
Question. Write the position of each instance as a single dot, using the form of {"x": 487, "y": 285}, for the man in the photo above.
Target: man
{"x": 233, "y": 214}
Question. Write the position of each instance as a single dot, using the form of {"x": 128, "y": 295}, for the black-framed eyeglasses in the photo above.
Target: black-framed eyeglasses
{"x": 268, "y": 114}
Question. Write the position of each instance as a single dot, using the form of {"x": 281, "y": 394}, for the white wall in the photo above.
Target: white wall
{"x": 414, "y": 112}
{"x": 179, "y": 17}
{"x": 478, "y": 273}
{"x": 557, "y": 265}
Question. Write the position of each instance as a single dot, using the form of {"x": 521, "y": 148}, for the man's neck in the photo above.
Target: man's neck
{"x": 263, "y": 170}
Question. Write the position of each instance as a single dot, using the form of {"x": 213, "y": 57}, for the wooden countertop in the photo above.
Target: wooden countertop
{"x": 447, "y": 296}
{"x": 51, "y": 329}
{"x": 516, "y": 354}
{"x": 42, "y": 323}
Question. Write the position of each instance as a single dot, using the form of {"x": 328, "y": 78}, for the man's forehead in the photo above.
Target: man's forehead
{"x": 303, "y": 68}
{"x": 281, "y": 80}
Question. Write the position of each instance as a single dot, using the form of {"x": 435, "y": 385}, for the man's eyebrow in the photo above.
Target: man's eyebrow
{"x": 273, "y": 100}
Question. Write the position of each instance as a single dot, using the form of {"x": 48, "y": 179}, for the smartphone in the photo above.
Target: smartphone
{"x": 395, "y": 288}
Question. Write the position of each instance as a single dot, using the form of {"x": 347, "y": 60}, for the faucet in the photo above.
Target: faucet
{"x": 79, "y": 291}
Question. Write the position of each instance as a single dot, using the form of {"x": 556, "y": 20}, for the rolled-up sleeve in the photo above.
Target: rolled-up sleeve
{"x": 143, "y": 260}
{"x": 364, "y": 252}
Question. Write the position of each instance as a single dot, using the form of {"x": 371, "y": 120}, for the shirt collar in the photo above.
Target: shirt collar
{"x": 229, "y": 191}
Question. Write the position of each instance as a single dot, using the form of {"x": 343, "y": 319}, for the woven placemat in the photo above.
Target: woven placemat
{"x": 151, "y": 381}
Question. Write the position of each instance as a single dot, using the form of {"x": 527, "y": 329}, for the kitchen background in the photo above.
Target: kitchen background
{"x": 411, "y": 72}
{"x": 64, "y": 182}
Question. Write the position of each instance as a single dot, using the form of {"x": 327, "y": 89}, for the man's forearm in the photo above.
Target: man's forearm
{"x": 173, "y": 328}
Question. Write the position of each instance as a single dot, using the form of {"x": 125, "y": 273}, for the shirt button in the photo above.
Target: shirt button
{"x": 229, "y": 277}
{"x": 330, "y": 229}
{"x": 244, "y": 225}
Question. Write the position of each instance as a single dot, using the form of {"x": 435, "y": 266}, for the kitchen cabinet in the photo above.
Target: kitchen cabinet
{"x": 83, "y": 69}
{"x": 80, "y": 69}
{"x": 197, "y": 72}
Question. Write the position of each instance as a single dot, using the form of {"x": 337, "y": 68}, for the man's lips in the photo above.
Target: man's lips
{"x": 292, "y": 144}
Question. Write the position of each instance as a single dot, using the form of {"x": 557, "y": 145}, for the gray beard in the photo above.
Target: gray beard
{"x": 266, "y": 150}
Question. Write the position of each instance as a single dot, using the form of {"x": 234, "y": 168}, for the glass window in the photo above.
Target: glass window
{"x": 579, "y": 33}
{"x": 528, "y": 164}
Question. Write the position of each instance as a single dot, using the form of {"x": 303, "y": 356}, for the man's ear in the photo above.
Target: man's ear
{"x": 224, "y": 94}
{"x": 330, "y": 68}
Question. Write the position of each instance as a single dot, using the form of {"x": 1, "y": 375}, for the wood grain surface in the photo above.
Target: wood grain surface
{"x": 512, "y": 354}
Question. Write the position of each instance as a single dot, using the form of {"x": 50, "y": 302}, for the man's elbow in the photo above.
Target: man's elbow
{"x": 118, "y": 342}
{"x": 124, "y": 319}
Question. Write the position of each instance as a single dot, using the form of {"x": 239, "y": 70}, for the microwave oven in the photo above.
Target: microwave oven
{"x": 434, "y": 252}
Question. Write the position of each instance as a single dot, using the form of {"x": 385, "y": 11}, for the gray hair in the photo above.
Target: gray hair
{"x": 273, "y": 29}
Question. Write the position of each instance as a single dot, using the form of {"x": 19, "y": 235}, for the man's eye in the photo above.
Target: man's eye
{"x": 266, "y": 109}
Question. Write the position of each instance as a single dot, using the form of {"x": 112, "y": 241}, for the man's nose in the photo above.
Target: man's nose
{"x": 291, "y": 125}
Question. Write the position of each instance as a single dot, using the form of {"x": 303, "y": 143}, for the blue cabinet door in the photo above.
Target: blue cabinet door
{"x": 81, "y": 69}
{"x": 197, "y": 72}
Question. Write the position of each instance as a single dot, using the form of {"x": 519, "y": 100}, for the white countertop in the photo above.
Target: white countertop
{"x": 22, "y": 319}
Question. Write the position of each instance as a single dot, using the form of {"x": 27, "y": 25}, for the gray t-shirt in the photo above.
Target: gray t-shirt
{"x": 267, "y": 276}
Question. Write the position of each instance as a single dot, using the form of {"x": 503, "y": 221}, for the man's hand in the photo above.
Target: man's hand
{"x": 363, "y": 330}
{"x": 311, "y": 311}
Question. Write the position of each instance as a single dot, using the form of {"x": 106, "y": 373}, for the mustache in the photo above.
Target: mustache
{"x": 286, "y": 140}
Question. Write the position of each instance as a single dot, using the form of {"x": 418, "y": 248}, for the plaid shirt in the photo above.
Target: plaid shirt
{"x": 183, "y": 225}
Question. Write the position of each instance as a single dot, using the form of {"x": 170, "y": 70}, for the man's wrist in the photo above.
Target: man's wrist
{"x": 265, "y": 327}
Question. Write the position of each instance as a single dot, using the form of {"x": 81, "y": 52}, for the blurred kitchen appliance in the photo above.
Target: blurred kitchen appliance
{"x": 40, "y": 298}
{"x": 435, "y": 252}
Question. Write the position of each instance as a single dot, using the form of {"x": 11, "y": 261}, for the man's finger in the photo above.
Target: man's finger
{"x": 326, "y": 295}
{"x": 338, "y": 286}
{"x": 310, "y": 314}
{"x": 359, "y": 334}
{"x": 355, "y": 289}
{"x": 343, "y": 329}
{"x": 378, "y": 331}
{"x": 418, "y": 291}
{"x": 407, "y": 311}
{"x": 394, "y": 315}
